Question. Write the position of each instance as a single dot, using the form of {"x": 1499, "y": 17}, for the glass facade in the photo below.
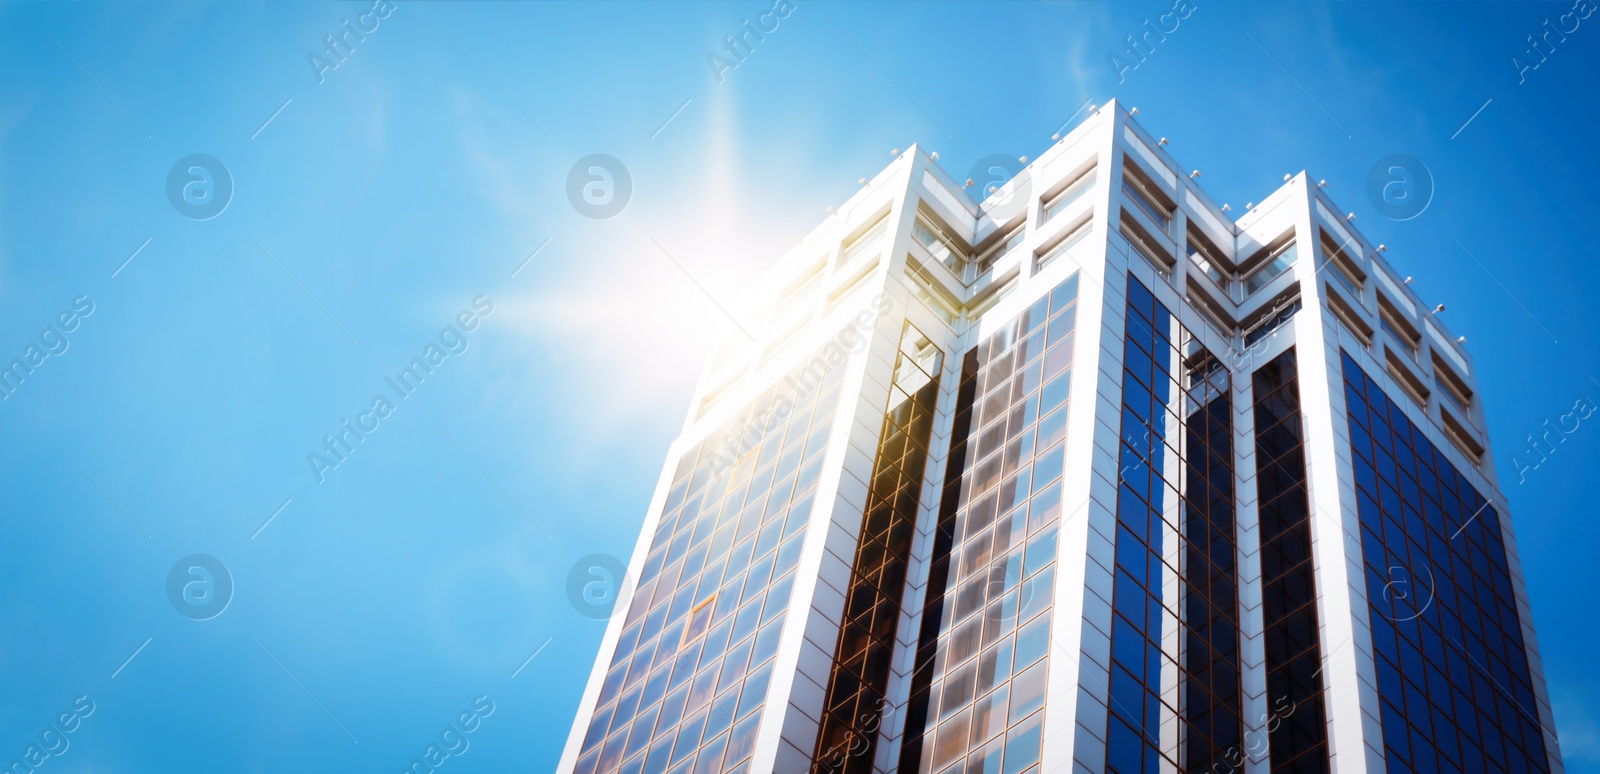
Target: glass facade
{"x": 855, "y": 695}
{"x": 1299, "y": 741}
{"x": 978, "y": 692}
{"x": 1452, "y": 667}
{"x": 1174, "y": 689}
{"x": 686, "y": 684}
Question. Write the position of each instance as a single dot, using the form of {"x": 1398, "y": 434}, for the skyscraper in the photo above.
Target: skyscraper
{"x": 1086, "y": 476}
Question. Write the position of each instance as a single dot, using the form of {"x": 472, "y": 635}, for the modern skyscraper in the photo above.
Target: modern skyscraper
{"x": 1088, "y": 476}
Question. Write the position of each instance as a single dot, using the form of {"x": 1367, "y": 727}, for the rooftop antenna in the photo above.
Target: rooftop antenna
{"x": 1194, "y": 174}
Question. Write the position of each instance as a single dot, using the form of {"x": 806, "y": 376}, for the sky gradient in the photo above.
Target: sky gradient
{"x": 426, "y": 175}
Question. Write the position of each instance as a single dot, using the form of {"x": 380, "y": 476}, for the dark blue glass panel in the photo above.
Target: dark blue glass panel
{"x": 1288, "y": 582}
{"x": 1182, "y": 502}
{"x": 1466, "y": 684}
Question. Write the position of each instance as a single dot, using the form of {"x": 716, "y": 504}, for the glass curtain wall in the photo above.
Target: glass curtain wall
{"x": 855, "y": 704}
{"x": 689, "y": 676}
{"x": 978, "y": 692}
{"x": 1452, "y": 665}
{"x": 1175, "y": 694}
{"x": 1298, "y": 742}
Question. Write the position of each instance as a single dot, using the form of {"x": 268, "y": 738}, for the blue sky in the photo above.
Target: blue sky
{"x": 422, "y": 573}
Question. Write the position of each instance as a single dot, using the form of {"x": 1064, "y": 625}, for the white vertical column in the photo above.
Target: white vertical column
{"x": 1080, "y": 652}
{"x": 1252, "y": 752}
{"x": 1349, "y": 675}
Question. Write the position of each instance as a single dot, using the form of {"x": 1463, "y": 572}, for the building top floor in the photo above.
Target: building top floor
{"x": 964, "y": 245}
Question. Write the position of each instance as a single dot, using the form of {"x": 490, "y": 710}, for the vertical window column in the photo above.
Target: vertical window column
{"x": 854, "y": 701}
{"x": 1299, "y": 743}
{"x": 978, "y": 692}
{"x": 1174, "y": 684}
